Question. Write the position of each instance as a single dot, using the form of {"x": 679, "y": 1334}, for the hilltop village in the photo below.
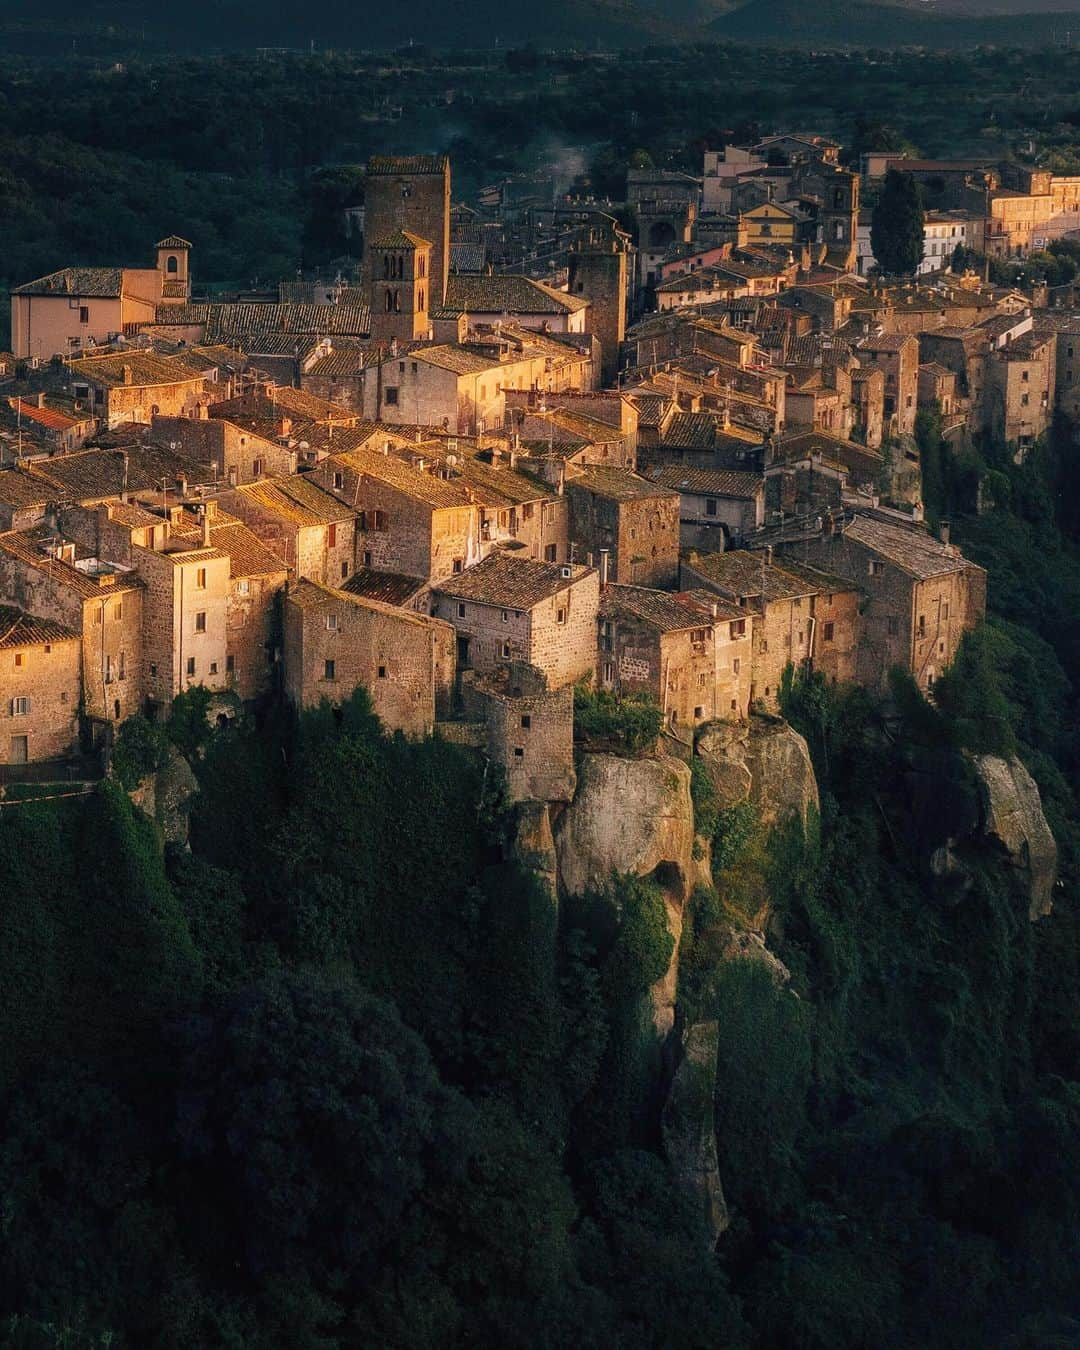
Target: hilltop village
{"x": 522, "y": 447}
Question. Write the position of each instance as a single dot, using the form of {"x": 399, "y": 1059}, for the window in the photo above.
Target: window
{"x": 894, "y": 627}
{"x": 1024, "y": 376}
{"x": 922, "y": 625}
{"x": 20, "y": 707}
{"x": 506, "y": 616}
{"x": 213, "y": 667}
{"x": 506, "y": 651}
{"x": 329, "y": 670}
{"x": 738, "y": 628}
{"x": 121, "y": 667}
{"x": 609, "y": 671}
{"x": 415, "y": 364}
{"x": 366, "y": 558}
{"x": 458, "y": 565}
{"x": 171, "y": 265}
{"x": 331, "y": 536}
{"x": 257, "y": 467}
{"x": 18, "y": 659}
{"x": 526, "y": 721}
{"x": 828, "y": 632}
{"x": 382, "y": 672}
{"x": 344, "y": 570}
{"x": 243, "y": 586}
{"x": 48, "y": 648}
{"x": 391, "y": 396}
{"x": 230, "y": 664}
{"x": 376, "y": 520}
{"x": 200, "y": 579}
{"x": 550, "y": 553}
{"x": 339, "y": 480}
{"x": 332, "y": 623}
{"x": 945, "y": 610}
{"x": 153, "y": 667}
{"x": 461, "y": 611}
{"x": 736, "y": 666}
{"x": 190, "y": 666}
{"x": 84, "y": 314}
{"x": 710, "y": 506}
{"x": 519, "y": 752}
{"x": 401, "y": 367}
{"x": 873, "y": 568}
{"x": 200, "y": 621}
{"x": 560, "y": 616}
{"x": 1025, "y": 399}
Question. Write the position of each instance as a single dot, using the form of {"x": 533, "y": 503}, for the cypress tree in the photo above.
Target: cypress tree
{"x": 896, "y": 229}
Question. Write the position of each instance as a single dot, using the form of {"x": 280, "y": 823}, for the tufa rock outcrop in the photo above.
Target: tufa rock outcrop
{"x": 764, "y": 760}
{"x": 634, "y": 816}
{"x": 166, "y": 797}
{"x": 1012, "y": 814}
{"x": 688, "y": 1127}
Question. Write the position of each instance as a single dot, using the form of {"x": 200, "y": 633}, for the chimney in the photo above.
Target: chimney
{"x": 41, "y": 400}
{"x": 603, "y": 569}
{"x": 944, "y": 532}
{"x": 127, "y": 373}
{"x": 205, "y": 514}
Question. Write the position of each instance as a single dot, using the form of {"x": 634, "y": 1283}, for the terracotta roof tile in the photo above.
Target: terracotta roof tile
{"x": 516, "y": 583}
{"x": 18, "y": 629}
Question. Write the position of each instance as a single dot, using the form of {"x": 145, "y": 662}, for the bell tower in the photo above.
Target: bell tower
{"x": 172, "y": 262}
{"x": 400, "y": 287}
{"x": 840, "y": 218}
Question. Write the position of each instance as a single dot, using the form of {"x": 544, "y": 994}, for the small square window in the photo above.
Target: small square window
{"x": 560, "y": 616}
{"x": 329, "y": 670}
{"x": 382, "y": 672}
{"x": 339, "y": 480}
{"x": 458, "y": 565}
{"x": 18, "y": 659}
{"x": 243, "y": 586}
{"x": 191, "y": 666}
{"x": 506, "y": 616}
{"x": 200, "y": 621}
{"x": 699, "y": 713}
{"x": 506, "y": 651}
{"x": 366, "y": 558}
{"x": 391, "y": 397}
{"x": 20, "y": 707}
{"x": 213, "y": 667}
{"x": 461, "y": 611}
{"x": 230, "y": 664}
{"x": 828, "y": 632}
{"x": 519, "y": 752}
{"x": 332, "y": 622}
{"x": 526, "y": 721}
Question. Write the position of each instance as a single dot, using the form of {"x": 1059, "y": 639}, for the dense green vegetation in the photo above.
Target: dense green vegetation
{"x": 896, "y": 230}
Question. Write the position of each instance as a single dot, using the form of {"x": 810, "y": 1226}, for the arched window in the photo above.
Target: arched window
{"x": 171, "y": 264}
{"x": 420, "y": 298}
{"x": 423, "y": 266}
{"x": 389, "y": 300}
{"x": 397, "y": 302}
{"x": 401, "y": 265}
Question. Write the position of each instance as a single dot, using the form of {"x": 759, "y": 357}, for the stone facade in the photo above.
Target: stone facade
{"x": 897, "y": 356}
{"x": 185, "y": 620}
{"x": 635, "y": 520}
{"x": 238, "y": 455}
{"x": 40, "y": 683}
{"x": 513, "y": 609}
{"x": 529, "y": 730}
{"x": 335, "y": 641}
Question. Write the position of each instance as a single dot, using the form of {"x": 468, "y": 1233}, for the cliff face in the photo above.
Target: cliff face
{"x": 764, "y": 761}
{"x": 636, "y": 816}
{"x": 1012, "y": 815}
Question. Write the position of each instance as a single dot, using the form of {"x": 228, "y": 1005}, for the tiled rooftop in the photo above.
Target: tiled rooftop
{"x": 18, "y": 629}
{"x": 505, "y": 580}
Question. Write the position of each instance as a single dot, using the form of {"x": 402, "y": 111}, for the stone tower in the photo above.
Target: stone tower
{"x": 599, "y": 272}
{"x": 400, "y": 288}
{"x": 839, "y": 218}
{"x": 409, "y": 193}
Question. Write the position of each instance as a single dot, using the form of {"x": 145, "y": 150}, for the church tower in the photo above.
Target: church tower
{"x": 400, "y": 287}
{"x": 409, "y": 193}
{"x": 172, "y": 263}
{"x": 840, "y": 217}
{"x": 599, "y": 273}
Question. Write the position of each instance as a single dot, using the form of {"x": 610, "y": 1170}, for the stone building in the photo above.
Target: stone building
{"x": 868, "y": 406}
{"x": 311, "y": 530}
{"x": 335, "y": 641}
{"x": 600, "y": 272}
{"x": 921, "y": 594}
{"x": 235, "y": 453}
{"x": 897, "y": 356}
{"x": 40, "y": 687}
{"x": 717, "y": 507}
{"x": 45, "y": 574}
{"x": 635, "y": 520}
{"x": 691, "y": 653}
{"x": 409, "y": 193}
{"x": 135, "y": 386}
{"x": 185, "y": 618}
{"x": 529, "y": 730}
{"x": 802, "y": 618}
{"x": 1065, "y": 324}
{"x": 1020, "y": 390}
{"x": 509, "y": 608}
{"x": 400, "y": 287}
{"x": 407, "y": 520}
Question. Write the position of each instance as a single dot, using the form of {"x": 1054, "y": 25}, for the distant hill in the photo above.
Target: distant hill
{"x": 860, "y": 23}
{"x": 120, "y": 28}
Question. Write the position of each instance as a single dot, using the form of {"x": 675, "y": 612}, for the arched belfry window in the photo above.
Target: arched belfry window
{"x": 171, "y": 264}
{"x": 397, "y": 302}
{"x": 420, "y": 298}
{"x": 389, "y": 301}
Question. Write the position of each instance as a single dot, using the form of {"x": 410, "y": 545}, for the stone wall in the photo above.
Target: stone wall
{"x": 49, "y": 676}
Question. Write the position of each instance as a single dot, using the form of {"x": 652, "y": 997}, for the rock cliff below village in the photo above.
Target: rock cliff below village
{"x": 1012, "y": 815}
